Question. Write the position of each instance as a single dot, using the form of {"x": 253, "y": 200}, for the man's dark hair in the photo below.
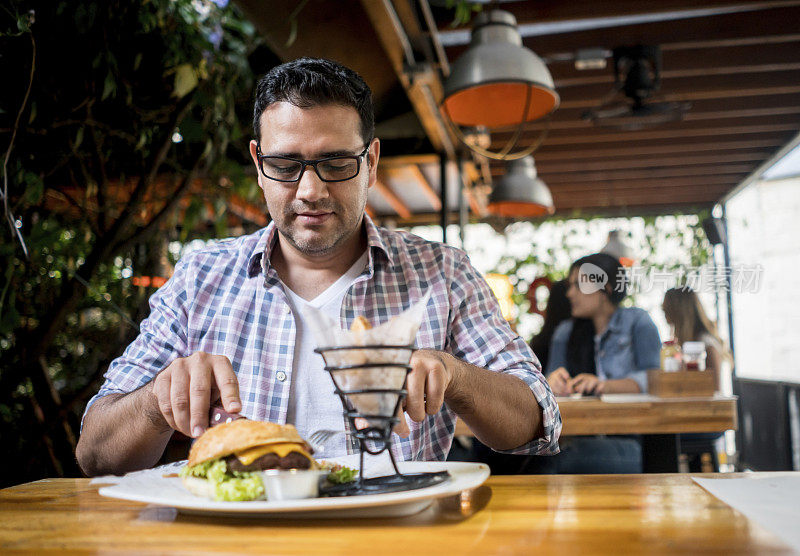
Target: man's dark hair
{"x": 308, "y": 82}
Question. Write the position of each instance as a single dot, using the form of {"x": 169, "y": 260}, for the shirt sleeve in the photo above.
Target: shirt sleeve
{"x": 480, "y": 336}
{"x": 646, "y": 348}
{"x": 162, "y": 338}
{"x": 558, "y": 347}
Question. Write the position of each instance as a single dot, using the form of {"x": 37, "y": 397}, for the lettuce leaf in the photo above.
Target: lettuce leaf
{"x": 229, "y": 486}
{"x": 341, "y": 475}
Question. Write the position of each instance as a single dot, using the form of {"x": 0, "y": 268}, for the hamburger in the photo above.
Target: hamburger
{"x": 226, "y": 461}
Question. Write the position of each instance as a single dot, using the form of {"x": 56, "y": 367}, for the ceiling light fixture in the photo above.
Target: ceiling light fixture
{"x": 520, "y": 192}
{"x": 498, "y": 83}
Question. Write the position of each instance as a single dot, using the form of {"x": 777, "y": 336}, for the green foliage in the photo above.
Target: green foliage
{"x": 660, "y": 243}
{"x": 463, "y": 11}
{"x": 112, "y": 82}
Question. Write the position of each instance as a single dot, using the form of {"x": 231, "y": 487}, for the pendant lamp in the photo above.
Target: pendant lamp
{"x": 520, "y": 193}
{"x": 618, "y": 249}
{"x": 498, "y": 83}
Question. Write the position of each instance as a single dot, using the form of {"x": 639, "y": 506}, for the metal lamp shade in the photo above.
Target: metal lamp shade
{"x": 489, "y": 84}
{"x": 520, "y": 193}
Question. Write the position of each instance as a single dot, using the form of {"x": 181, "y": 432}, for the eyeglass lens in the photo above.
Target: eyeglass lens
{"x": 333, "y": 169}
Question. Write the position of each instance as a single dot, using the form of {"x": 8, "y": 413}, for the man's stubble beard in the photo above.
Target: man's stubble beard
{"x": 328, "y": 243}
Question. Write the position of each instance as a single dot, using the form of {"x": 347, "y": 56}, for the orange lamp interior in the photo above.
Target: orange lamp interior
{"x": 499, "y": 104}
{"x": 519, "y": 209}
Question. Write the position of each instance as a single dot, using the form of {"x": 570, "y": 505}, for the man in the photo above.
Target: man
{"x": 230, "y": 323}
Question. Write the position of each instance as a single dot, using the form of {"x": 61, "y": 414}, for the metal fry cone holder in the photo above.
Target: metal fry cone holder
{"x": 376, "y": 436}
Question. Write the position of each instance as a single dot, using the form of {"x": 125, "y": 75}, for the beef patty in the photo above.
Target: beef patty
{"x": 292, "y": 460}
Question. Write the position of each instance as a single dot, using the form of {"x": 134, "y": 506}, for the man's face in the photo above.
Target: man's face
{"x": 315, "y": 217}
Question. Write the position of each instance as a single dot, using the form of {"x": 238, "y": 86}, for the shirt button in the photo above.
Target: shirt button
{"x": 288, "y": 309}
{"x": 281, "y": 376}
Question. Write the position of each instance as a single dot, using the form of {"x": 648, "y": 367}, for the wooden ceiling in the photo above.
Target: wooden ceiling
{"x": 738, "y": 63}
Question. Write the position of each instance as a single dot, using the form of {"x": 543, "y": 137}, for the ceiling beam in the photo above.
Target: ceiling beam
{"x": 648, "y": 173}
{"x": 667, "y": 74}
{"x": 548, "y": 11}
{"x": 425, "y": 89}
{"x": 548, "y": 152}
{"x": 602, "y": 136}
{"x": 694, "y": 95}
{"x": 644, "y": 184}
{"x": 432, "y": 196}
{"x": 736, "y": 59}
{"x": 574, "y": 121}
{"x": 759, "y": 41}
{"x": 579, "y": 166}
{"x": 773, "y": 21}
{"x": 324, "y": 29}
{"x": 609, "y": 198}
{"x": 394, "y": 201}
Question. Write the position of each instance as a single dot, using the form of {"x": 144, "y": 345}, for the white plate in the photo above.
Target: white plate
{"x": 151, "y": 487}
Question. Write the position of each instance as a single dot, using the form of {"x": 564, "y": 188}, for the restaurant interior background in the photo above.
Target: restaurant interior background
{"x": 124, "y": 128}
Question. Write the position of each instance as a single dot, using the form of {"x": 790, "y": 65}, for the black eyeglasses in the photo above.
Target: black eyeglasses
{"x": 330, "y": 169}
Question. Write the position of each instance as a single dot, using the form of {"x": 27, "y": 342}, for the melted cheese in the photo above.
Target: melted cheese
{"x": 281, "y": 449}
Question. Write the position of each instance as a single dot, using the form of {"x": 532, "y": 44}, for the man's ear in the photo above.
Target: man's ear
{"x": 374, "y": 155}
{"x": 254, "y": 156}
{"x": 254, "y": 151}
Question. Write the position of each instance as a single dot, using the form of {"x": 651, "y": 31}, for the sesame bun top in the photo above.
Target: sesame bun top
{"x": 228, "y": 438}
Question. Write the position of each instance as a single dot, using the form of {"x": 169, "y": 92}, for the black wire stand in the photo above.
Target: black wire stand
{"x": 376, "y": 436}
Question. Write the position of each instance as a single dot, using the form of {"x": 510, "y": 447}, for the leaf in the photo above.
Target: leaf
{"x": 292, "y": 33}
{"x": 78, "y": 138}
{"x": 185, "y": 80}
{"x": 109, "y": 87}
{"x": 34, "y": 189}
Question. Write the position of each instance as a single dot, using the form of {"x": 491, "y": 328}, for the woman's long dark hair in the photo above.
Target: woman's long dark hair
{"x": 557, "y": 310}
{"x": 580, "y": 346}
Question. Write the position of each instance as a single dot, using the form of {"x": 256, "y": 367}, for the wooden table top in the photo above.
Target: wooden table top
{"x": 523, "y": 514}
{"x": 642, "y": 415}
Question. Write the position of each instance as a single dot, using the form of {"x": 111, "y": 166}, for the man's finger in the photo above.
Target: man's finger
{"x": 179, "y": 399}
{"x": 434, "y": 391}
{"x": 161, "y": 389}
{"x": 227, "y": 383}
{"x": 401, "y": 428}
{"x": 415, "y": 401}
{"x": 199, "y": 399}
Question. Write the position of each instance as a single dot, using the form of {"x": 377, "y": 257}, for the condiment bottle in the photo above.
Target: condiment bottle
{"x": 671, "y": 356}
{"x": 694, "y": 356}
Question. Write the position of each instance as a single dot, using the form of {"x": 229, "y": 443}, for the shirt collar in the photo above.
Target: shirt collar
{"x": 375, "y": 239}
{"x": 260, "y": 257}
{"x": 615, "y": 322}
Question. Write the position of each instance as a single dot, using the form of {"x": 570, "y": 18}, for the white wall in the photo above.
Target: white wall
{"x": 764, "y": 229}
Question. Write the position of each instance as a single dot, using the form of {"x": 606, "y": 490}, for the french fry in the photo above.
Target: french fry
{"x": 360, "y": 324}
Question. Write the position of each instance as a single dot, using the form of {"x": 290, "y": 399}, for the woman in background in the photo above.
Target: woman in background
{"x": 685, "y": 314}
{"x": 603, "y": 348}
{"x": 557, "y": 311}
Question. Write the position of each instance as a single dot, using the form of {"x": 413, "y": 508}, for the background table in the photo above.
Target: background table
{"x": 659, "y": 420}
{"x": 508, "y": 515}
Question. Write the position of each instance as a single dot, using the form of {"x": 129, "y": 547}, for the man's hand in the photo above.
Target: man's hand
{"x": 427, "y": 383}
{"x": 559, "y": 381}
{"x": 187, "y": 387}
{"x": 586, "y": 383}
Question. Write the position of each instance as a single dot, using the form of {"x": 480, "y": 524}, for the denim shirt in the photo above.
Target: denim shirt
{"x": 628, "y": 347}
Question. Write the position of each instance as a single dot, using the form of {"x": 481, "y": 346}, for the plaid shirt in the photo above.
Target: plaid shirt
{"x": 226, "y": 299}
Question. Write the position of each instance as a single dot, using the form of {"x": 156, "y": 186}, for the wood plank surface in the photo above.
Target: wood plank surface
{"x": 621, "y": 514}
{"x": 654, "y": 416}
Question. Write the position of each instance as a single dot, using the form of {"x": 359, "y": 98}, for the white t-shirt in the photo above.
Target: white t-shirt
{"x": 313, "y": 405}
